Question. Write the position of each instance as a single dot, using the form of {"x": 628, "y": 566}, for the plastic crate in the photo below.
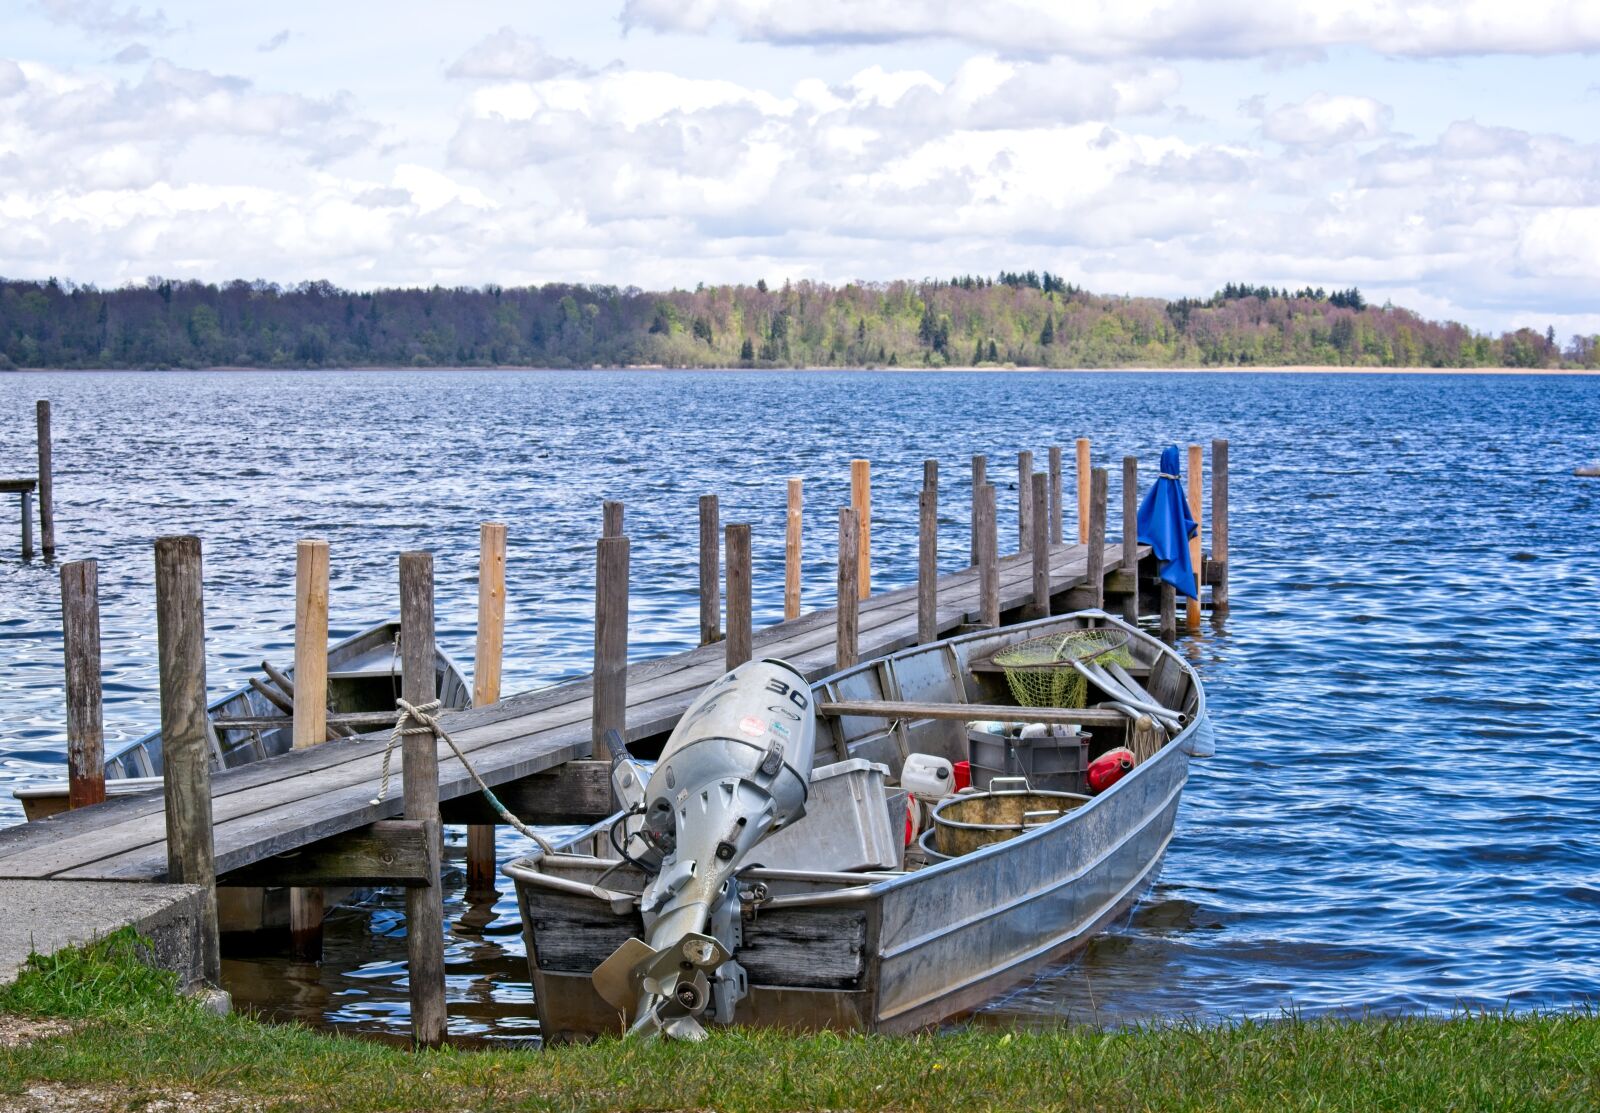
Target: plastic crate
{"x": 846, "y": 827}
{"x": 1050, "y": 764}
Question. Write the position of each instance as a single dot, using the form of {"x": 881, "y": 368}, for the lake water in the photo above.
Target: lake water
{"x": 1401, "y": 813}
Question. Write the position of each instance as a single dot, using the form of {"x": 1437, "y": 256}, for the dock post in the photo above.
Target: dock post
{"x": 988, "y": 558}
{"x": 861, "y": 501}
{"x": 1039, "y": 545}
{"x": 419, "y": 769}
{"x": 80, "y": 634}
{"x": 928, "y": 554}
{"x": 1196, "y": 549}
{"x": 1055, "y": 495}
{"x": 792, "y": 552}
{"x": 1130, "y": 537}
{"x": 1097, "y": 536}
{"x": 610, "y": 643}
{"x": 27, "y": 525}
{"x": 1024, "y": 501}
{"x": 710, "y": 571}
{"x": 1219, "y": 524}
{"x": 306, "y": 905}
{"x": 47, "y": 503}
{"x": 185, "y": 748}
{"x": 1084, "y": 482}
{"x": 611, "y": 518}
{"x": 1169, "y": 612}
{"x": 847, "y": 618}
{"x": 486, "y": 681}
{"x": 980, "y": 468}
{"x": 741, "y": 633}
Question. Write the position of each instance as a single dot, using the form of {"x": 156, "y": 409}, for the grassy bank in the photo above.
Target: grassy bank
{"x": 129, "y": 1041}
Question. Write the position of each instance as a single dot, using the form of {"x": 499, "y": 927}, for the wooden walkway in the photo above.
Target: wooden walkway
{"x": 289, "y": 802}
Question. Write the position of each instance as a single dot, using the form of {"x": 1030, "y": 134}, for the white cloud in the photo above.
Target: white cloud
{"x": 1324, "y": 119}
{"x": 104, "y": 19}
{"x": 1098, "y": 29}
{"x": 274, "y": 42}
{"x": 506, "y": 54}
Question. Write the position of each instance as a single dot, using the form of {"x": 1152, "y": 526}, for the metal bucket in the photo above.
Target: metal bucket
{"x": 965, "y": 822}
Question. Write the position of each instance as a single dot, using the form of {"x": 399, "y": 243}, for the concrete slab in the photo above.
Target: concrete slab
{"x": 45, "y": 916}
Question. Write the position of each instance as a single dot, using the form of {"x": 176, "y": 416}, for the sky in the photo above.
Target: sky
{"x": 1444, "y": 155}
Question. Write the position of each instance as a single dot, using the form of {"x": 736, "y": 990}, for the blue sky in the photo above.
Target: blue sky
{"x": 1443, "y": 154}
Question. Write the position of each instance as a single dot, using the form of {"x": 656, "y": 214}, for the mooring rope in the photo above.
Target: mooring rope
{"x": 426, "y": 722}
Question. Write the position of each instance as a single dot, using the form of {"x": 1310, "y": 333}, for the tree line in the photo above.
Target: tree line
{"x": 1021, "y": 318}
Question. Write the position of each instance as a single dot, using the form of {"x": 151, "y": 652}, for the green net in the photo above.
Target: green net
{"x": 1040, "y": 671}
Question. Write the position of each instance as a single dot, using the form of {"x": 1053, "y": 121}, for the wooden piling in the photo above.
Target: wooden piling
{"x": 1169, "y": 612}
{"x": 47, "y": 504}
{"x": 26, "y": 498}
{"x": 741, "y": 631}
{"x": 420, "y": 773}
{"x": 1055, "y": 495}
{"x": 1196, "y": 549}
{"x": 1219, "y": 524}
{"x": 610, "y": 518}
{"x": 610, "y": 642}
{"x": 861, "y": 501}
{"x": 80, "y": 634}
{"x": 1024, "y": 501}
{"x": 928, "y": 554}
{"x": 1039, "y": 545}
{"x": 988, "y": 558}
{"x": 1097, "y": 536}
{"x": 792, "y": 552}
{"x": 306, "y": 904}
{"x": 1130, "y": 537}
{"x": 980, "y": 467}
{"x": 486, "y": 665}
{"x": 185, "y": 745}
{"x": 846, "y": 626}
{"x": 1085, "y": 481}
{"x": 710, "y": 571}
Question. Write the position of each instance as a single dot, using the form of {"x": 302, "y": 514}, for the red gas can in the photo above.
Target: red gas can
{"x": 1109, "y": 768}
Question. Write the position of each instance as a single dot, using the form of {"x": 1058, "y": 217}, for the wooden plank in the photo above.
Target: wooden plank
{"x": 610, "y": 698}
{"x": 1096, "y": 570}
{"x": 1025, "y": 507}
{"x": 389, "y": 852}
{"x": 488, "y": 658}
{"x": 1039, "y": 549}
{"x": 988, "y": 559}
{"x": 1055, "y": 495}
{"x": 1169, "y": 612}
{"x": 611, "y": 518}
{"x": 928, "y": 563}
{"x": 1081, "y": 446}
{"x": 1130, "y": 537}
{"x": 47, "y": 498}
{"x": 573, "y": 792}
{"x": 741, "y": 631}
{"x": 420, "y": 773}
{"x": 861, "y": 500}
{"x": 980, "y": 467}
{"x": 1000, "y": 712}
{"x": 710, "y": 571}
{"x": 792, "y": 551}
{"x": 185, "y": 747}
{"x": 80, "y": 632}
{"x": 311, "y": 642}
{"x": 1219, "y": 526}
{"x": 1195, "y": 548}
{"x": 847, "y": 610}
{"x": 17, "y": 486}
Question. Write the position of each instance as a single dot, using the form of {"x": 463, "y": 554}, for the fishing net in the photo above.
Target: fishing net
{"x": 1040, "y": 671}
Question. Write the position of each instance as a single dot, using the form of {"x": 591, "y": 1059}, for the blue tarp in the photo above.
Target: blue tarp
{"x": 1165, "y": 524}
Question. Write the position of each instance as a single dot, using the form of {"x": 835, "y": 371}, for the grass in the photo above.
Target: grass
{"x": 135, "y": 1039}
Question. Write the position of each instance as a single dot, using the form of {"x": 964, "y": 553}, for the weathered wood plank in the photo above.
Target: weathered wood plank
{"x": 80, "y": 632}
{"x": 389, "y": 852}
{"x": 1005, "y": 713}
{"x": 741, "y": 631}
{"x": 710, "y": 571}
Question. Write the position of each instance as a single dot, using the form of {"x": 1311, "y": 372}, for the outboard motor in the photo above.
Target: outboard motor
{"x": 736, "y": 768}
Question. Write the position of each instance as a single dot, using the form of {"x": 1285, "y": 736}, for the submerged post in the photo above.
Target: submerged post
{"x": 1025, "y": 506}
{"x": 792, "y": 551}
{"x": 741, "y": 632}
{"x": 486, "y": 680}
{"x": 306, "y": 904}
{"x": 1097, "y": 536}
{"x": 47, "y": 503}
{"x": 419, "y": 765}
{"x": 928, "y": 554}
{"x": 846, "y": 629}
{"x": 1039, "y": 545}
{"x": 1055, "y": 494}
{"x": 1196, "y": 549}
{"x": 861, "y": 501}
{"x": 610, "y": 643}
{"x": 27, "y": 525}
{"x": 710, "y": 571}
{"x": 1084, "y": 482}
{"x": 980, "y": 467}
{"x": 1130, "y": 537}
{"x": 610, "y": 518}
{"x": 1219, "y": 524}
{"x": 186, "y": 754}
{"x": 80, "y": 635}
{"x": 988, "y": 558}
